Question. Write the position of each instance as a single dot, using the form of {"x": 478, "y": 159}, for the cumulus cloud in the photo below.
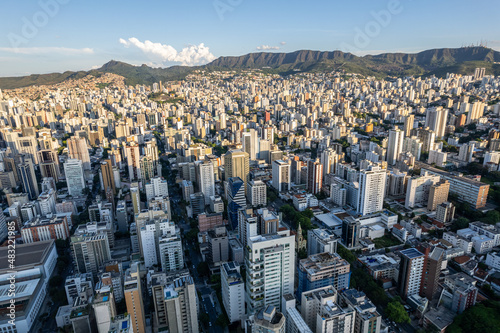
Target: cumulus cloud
{"x": 188, "y": 56}
{"x": 267, "y": 47}
{"x": 47, "y": 50}
{"x": 283, "y": 43}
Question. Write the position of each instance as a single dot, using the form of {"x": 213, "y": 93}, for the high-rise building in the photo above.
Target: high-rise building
{"x": 323, "y": 269}
{"x": 445, "y": 212}
{"x": 251, "y": 143}
{"x": 257, "y": 193}
{"x": 466, "y": 152}
{"x": 438, "y": 194}
{"x": 394, "y": 145}
{"x": 334, "y": 318}
{"x": 412, "y": 145}
{"x": 133, "y": 298}
{"x": 108, "y": 178}
{"x": 218, "y": 245}
{"x": 90, "y": 252}
{"x": 170, "y": 252}
{"x": 427, "y": 137}
{"x": 205, "y": 179}
{"x": 467, "y": 190}
{"x": 236, "y": 199}
{"x": 122, "y": 216}
{"x": 350, "y": 232}
{"x": 197, "y": 202}
{"x": 281, "y": 176}
{"x": 154, "y": 231}
{"x": 479, "y": 73}
{"x": 461, "y": 290}
{"x": 208, "y": 221}
{"x": 476, "y": 112}
{"x": 312, "y": 302}
{"x": 233, "y": 291}
{"x": 104, "y": 308}
{"x": 247, "y": 225}
{"x": 418, "y": 188}
{"x": 433, "y": 263}
{"x": 329, "y": 161}
{"x": 267, "y": 320}
{"x": 371, "y": 190}
{"x": 368, "y": 320}
{"x": 73, "y": 169}
{"x": 270, "y": 269}
{"x": 236, "y": 164}
{"x": 408, "y": 126}
{"x": 74, "y": 285}
{"x": 314, "y": 176}
{"x": 175, "y": 302}
{"x": 78, "y": 149}
{"x": 156, "y": 187}
{"x": 136, "y": 198}
{"x": 133, "y": 157}
{"x": 321, "y": 240}
{"x": 27, "y": 176}
{"x": 436, "y": 119}
{"x": 49, "y": 164}
{"x": 42, "y": 229}
{"x": 410, "y": 272}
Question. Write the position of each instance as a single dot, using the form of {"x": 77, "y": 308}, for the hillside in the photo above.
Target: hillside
{"x": 430, "y": 62}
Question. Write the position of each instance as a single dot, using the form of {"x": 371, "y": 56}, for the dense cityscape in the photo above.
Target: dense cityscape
{"x": 247, "y": 201}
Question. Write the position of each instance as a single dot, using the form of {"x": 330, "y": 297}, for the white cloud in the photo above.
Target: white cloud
{"x": 46, "y": 50}
{"x": 283, "y": 43}
{"x": 188, "y": 56}
{"x": 267, "y": 47}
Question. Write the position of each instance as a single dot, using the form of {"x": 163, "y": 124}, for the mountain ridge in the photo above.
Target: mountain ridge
{"x": 428, "y": 62}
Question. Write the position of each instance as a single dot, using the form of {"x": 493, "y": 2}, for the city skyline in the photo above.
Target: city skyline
{"x": 60, "y": 35}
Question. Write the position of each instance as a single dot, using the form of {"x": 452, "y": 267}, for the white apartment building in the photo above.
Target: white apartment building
{"x": 321, "y": 240}
{"x": 270, "y": 269}
{"x": 233, "y": 291}
{"x": 257, "y": 193}
{"x": 171, "y": 254}
{"x": 371, "y": 192}
{"x": 458, "y": 241}
{"x": 281, "y": 175}
{"x": 73, "y": 169}
{"x": 417, "y": 192}
{"x": 493, "y": 260}
{"x": 157, "y": 187}
{"x": 206, "y": 179}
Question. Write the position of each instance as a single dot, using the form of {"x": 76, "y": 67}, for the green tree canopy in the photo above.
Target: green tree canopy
{"x": 396, "y": 312}
{"x": 483, "y": 317}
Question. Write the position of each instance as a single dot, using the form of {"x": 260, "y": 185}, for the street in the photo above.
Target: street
{"x": 208, "y": 303}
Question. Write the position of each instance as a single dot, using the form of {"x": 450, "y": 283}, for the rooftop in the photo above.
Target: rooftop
{"x": 31, "y": 254}
{"x": 411, "y": 253}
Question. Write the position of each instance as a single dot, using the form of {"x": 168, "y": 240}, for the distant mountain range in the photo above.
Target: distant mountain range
{"x": 430, "y": 62}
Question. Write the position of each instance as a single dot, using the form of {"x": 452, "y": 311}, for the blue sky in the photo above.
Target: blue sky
{"x": 57, "y": 35}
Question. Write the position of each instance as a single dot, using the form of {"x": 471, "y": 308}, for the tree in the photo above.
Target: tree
{"x": 204, "y": 318}
{"x": 302, "y": 254}
{"x": 203, "y": 269}
{"x": 460, "y": 223}
{"x": 492, "y": 217}
{"x": 483, "y": 317}
{"x": 396, "y": 312}
{"x": 222, "y": 321}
